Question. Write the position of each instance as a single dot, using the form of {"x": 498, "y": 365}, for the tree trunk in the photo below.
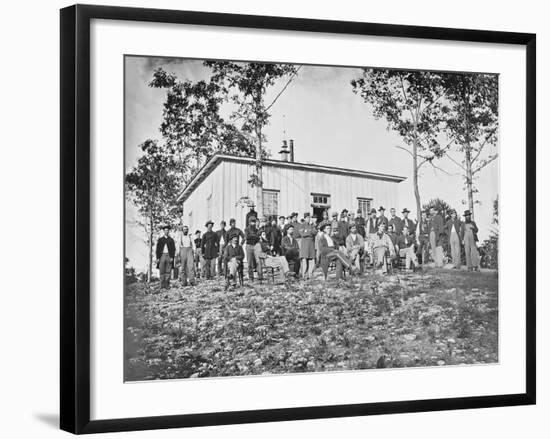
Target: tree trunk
{"x": 469, "y": 179}
{"x": 150, "y": 271}
{"x": 415, "y": 181}
{"x": 259, "y": 173}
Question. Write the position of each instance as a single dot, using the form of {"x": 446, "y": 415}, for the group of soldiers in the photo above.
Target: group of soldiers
{"x": 296, "y": 247}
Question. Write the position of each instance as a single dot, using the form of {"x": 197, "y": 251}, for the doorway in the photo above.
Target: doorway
{"x": 318, "y": 212}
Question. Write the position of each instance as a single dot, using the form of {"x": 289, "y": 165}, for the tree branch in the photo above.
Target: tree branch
{"x": 404, "y": 149}
{"x": 455, "y": 162}
{"x": 284, "y": 88}
{"x": 485, "y": 163}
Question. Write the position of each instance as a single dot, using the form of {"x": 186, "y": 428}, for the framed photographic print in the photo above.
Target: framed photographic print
{"x": 275, "y": 218}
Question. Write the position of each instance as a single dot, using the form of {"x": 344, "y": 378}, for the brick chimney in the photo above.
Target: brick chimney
{"x": 291, "y": 150}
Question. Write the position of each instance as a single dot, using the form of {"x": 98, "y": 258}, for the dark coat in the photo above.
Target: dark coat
{"x": 436, "y": 224}
{"x": 275, "y": 238}
{"x": 360, "y": 224}
{"x": 397, "y": 224}
{"x": 290, "y": 249}
{"x": 404, "y": 241}
{"x": 410, "y": 224}
{"x": 424, "y": 227}
{"x": 381, "y": 219}
{"x": 210, "y": 245}
{"x": 171, "y": 246}
{"x": 449, "y": 224}
{"x": 249, "y": 215}
{"x": 235, "y": 231}
{"x": 371, "y": 226}
{"x": 463, "y": 230}
{"x": 231, "y": 252}
{"x": 222, "y": 233}
{"x": 251, "y": 235}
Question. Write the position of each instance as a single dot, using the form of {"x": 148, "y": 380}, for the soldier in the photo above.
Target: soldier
{"x": 235, "y": 231}
{"x": 165, "y": 252}
{"x": 251, "y": 236}
{"x": 307, "y": 247}
{"x": 468, "y": 234}
{"x": 360, "y": 223}
{"x": 405, "y": 244}
{"x": 210, "y": 249}
{"x": 453, "y": 229}
{"x": 424, "y": 236}
{"x": 222, "y": 237}
{"x": 186, "y": 250}
{"x": 251, "y": 213}
{"x": 290, "y": 249}
{"x": 408, "y": 222}
{"x": 436, "y": 232}
{"x": 382, "y": 219}
{"x": 395, "y": 221}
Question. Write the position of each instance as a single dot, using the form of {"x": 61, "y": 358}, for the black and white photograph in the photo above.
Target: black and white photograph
{"x": 295, "y": 218}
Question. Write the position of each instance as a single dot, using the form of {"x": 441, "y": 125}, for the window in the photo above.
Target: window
{"x": 271, "y": 203}
{"x": 364, "y": 204}
{"x": 320, "y": 198}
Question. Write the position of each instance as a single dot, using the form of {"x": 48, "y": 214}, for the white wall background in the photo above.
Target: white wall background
{"x": 30, "y": 204}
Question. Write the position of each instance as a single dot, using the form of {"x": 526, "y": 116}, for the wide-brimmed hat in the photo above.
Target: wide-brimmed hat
{"x": 373, "y": 210}
{"x": 334, "y": 214}
{"x": 209, "y": 222}
{"x": 405, "y": 210}
{"x": 381, "y": 208}
{"x": 467, "y": 212}
{"x": 345, "y": 211}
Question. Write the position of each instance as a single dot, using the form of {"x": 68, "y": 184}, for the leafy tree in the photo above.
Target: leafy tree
{"x": 246, "y": 85}
{"x": 192, "y": 127}
{"x": 152, "y": 186}
{"x": 489, "y": 248}
{"x": 473, "y": 124}
{"x": 412, "y": 104}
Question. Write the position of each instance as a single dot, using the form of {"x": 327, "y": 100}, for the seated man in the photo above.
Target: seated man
{"x": 233, "y": 256}
{"x": 264, "y": 258}
{"x": 328, "y": 251}
{"x": 291, "y": 251}
{"x": 354, "y": 246}
{"x": 405, "y": 243}
{"x": 381, "y": 246}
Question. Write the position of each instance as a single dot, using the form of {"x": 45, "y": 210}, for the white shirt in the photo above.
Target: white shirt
{"x": 186, "y": 241}
{"x": 165, "y": 249}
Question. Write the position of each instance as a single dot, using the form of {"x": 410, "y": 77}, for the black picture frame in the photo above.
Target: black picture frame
{"x": 75, "y": 217}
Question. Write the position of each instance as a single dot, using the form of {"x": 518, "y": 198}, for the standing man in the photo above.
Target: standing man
{"x": 307, "y": 247}
{"x": 276, "y": 235}
{"x": 334, "y": 224}
{"x": 393, "y": 236}
{"x": 424, "y": 236}
{"x": 468, "y": 234}
{"x": 382, "y": 219}
{"x": 210, "y": 249}
{"x": 199, "y": 261}
{"x": 453, "y": 228}
{"x": 436, "y": 230}
{"x": 406, "y": 221}
{"x": 343, "y": 226}
{"x": 251, "y": 213}
{"x": 222, "y": 238}
{"x": 235, "y": 231}
{"x": 395, "y": 221}
{"x": 187, "y": 257}
{"x": 165, "y": 252}
{"x": 360, "y": 223}
{"x": 251, "y": 237}
{"x": 290, "y": 249}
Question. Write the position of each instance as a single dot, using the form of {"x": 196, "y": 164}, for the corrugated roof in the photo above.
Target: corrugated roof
{"x": 215, "y": 160}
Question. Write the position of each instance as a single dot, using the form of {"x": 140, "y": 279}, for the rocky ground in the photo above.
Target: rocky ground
{"x": 435, "y": 318}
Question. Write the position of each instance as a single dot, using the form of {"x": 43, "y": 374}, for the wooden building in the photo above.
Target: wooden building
{"x": 215, "y": 191}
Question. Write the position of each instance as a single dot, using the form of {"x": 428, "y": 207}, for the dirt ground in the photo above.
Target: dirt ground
{"x": 437, "y": 317}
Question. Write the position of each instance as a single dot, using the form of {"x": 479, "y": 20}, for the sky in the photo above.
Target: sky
{"x": 330, "y": 125}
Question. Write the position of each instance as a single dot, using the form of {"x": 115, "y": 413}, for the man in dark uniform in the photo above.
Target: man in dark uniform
{"x": 395, "y": 221}
{"x": 165, "y": 252}
{"x": 222, "y": 238}
{"x": 436, "y": 230}
{"x": 235, "y": 231}
{"x": 360, "y": 223}
{"x": 382, "y": 218}
{"x": 251, "y": 237}
{"x": 276, "y": 235}
{"x": 407, "y": 222}
{"x": 251, "y": 213}
{"x": 291, "y": 251}
{"x": 210, "y": 249}
{"x": 424, "y": 237}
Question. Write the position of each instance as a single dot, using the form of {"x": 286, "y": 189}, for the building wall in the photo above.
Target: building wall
{"x": 229, "y": 181}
